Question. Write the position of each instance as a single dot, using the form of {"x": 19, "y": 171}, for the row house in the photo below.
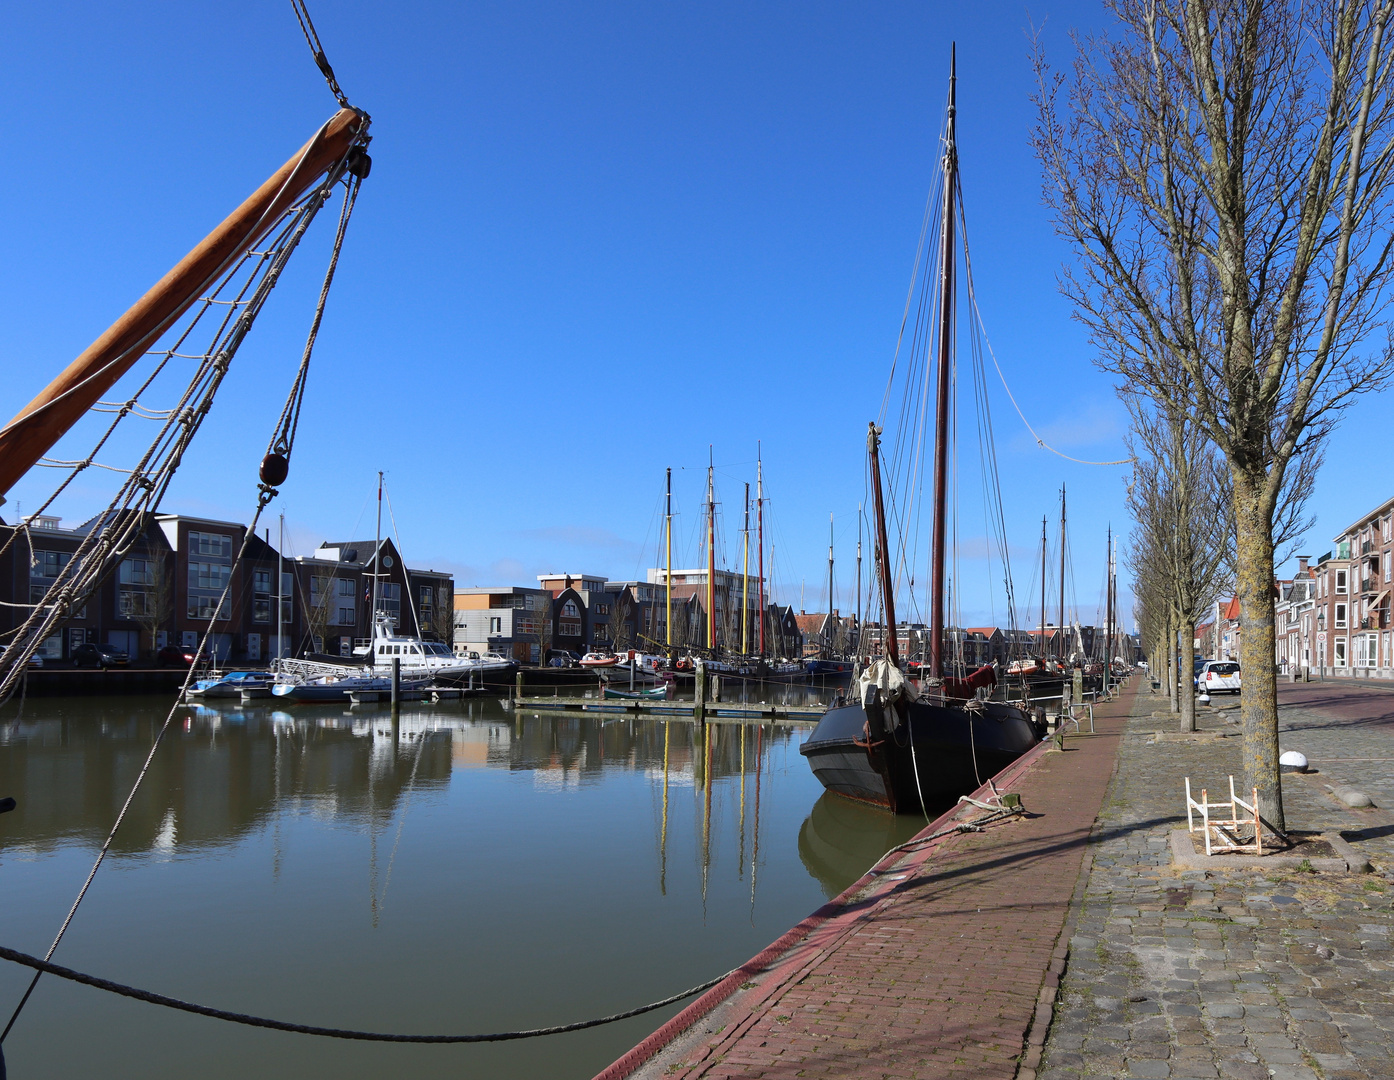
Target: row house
{"x": 1294, "y": 622}
{"x": 505, "y": 619}
{"x": 184, "y": 573}
{"x": 1351, "y": 607}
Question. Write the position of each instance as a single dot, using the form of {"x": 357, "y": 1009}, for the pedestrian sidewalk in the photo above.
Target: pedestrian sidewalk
{"x": 1246, "y": 974}
{"x": 936, "y": 964}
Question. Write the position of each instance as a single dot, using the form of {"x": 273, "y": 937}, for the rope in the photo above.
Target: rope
{"x": 265, "y": 494}
{"x": 302, "y": 16}
{"x": 42, "y": 966}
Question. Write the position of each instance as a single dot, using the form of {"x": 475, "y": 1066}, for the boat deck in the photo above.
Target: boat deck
{"x": 941, "y": 962}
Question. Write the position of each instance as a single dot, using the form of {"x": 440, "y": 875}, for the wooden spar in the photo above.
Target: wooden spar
{"x": 711, "y": 560}
{"x": 668, "y": 568}
{"x": 1043, "y": 584}
{"x": 41, "y": 423}
{"x": 1060, "y": 634}
{"x": 745, "y": 584}
{"x": 941, "y": 411}
{"x": 883, "y": 556}
{"x": 760, "y": 541}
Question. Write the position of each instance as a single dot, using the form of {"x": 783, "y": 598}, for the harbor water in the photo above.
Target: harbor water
{"x": 466, "y": 869}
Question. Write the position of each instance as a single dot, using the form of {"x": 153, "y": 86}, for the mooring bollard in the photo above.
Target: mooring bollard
{"x": 518, "y": 685}
{"x": 699, "y": 695}
{"x": 396, "y": 681}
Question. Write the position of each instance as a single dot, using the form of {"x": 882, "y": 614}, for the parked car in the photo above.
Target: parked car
{"x": 1219, "y": 675}
{"x": 36, "y": 661}
{"x": 91, "y": 654}
{"x": 562, "y": 658}
{"x": 174, "y": 656}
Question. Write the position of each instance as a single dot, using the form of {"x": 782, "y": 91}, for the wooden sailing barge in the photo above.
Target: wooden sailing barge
{"x": 906, "y": 748}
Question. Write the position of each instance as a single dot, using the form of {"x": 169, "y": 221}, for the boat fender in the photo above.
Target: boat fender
{"x": 6, "y": 805}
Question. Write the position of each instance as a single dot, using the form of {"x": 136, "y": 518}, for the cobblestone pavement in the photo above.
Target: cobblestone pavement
{"x": 1245, "y": 974}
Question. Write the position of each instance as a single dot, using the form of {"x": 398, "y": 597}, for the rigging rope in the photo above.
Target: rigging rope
{"x": 134, "y": 522}
{"x": 302, "y": 16}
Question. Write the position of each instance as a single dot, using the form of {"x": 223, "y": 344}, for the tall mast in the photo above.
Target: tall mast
{"x": 1059, "y": 637}
{"x": 711, "y": 555}
{"x": 280, "y": 589}
{"x": 830, "y": 565}
{"x": 668, "y": 565}
{"x": 1043, "y": 583}
{"x": 859, "y": 578}
{"x": 760, "y": 539}
{"x": 745, "y": 583}
{"x": 883, "y": 559}
{"x": 1108, "y": 604}
{"x": 377, "y": 557}
{"x": 941, "y": 410}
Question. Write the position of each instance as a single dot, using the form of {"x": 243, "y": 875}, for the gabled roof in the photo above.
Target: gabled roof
{"x": 811, "y": 622}
{"x": 1232, "y": 609}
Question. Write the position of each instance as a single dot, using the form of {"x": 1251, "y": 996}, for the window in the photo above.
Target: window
{"x": 496, "y": 625}
{"x": 133, "y": 603}
{"x": 207, "y": 575}
{"x": 137, "y": 572}
{"x": 348, "y": 616}
{"x": 602, "y": 609}
{"x": 47, "y": 565}
{"x": 1388, "y": 561}
{"x": 1365, "y": 650}
{"x": 1340, "y": 581}
{"x": 344, "y": 586}
{"x": 390, "y": 600}
{"x": 201, "y": 543}
{"x": 261, "y": 597}
{"x": 1340, "y": 615}
{"x": 428, "y": 597}
{"x": 1340, "y": 657}
{"x": 202, "y": 606}
{"x": 1384, "y": 651}
{"x": 570, "y": 611}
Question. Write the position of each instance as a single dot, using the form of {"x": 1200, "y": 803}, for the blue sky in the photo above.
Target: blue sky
{"x": 597, "y": 240}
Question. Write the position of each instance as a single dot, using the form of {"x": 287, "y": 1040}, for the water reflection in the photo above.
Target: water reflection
{"x": 839, "y": 836}
{"x": 481, "y": 869}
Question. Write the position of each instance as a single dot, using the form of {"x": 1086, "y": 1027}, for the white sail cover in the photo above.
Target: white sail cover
{"x": 889, "y": 680}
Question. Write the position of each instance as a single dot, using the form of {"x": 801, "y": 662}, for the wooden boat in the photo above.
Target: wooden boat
{"x": 653, "y": 693}
{"x": 896, "y": 746}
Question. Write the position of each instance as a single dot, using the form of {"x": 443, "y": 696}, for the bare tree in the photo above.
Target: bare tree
{"x": 542, "y": 614}
{"x": 319, "y": 608}
{"x": 153, "y": 605}
{"x": 1223, "y": 171}
{"x": 443, "y": 617}
{"x": 1181, "y": 502}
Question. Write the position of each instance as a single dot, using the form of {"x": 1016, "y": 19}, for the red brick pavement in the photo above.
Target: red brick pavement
{"x": 931, "y": 966}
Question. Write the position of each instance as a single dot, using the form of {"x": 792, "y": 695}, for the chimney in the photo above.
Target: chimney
{"x": 1302, "y": 563}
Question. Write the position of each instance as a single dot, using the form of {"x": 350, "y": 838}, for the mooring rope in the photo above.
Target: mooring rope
{"x": 44, "y": 966}
{"x": 41, "y": 967}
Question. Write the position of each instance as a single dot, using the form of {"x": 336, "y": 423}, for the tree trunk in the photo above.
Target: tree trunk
{"x": 1172, "y": 673}
{"x": 1187, "y": 668}
{"x": 1258, "y": 703}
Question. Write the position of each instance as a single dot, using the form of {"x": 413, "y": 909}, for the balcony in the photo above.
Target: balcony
{"x": 1369, "y": 585}
{"x": 1367, "y": 547}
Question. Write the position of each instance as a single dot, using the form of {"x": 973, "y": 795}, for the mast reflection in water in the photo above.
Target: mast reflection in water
{"x": 463, "y": 869}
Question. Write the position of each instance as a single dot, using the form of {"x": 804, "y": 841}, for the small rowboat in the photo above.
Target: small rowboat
{"x": 656, "y": 693}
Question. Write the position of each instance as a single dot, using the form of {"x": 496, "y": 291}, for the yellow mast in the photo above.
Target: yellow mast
{"x": 668, "y": 570}
{"x": 745, "y": 578}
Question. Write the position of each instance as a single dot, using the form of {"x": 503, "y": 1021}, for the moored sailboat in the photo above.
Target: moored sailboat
{"x": 905, "y": 747}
